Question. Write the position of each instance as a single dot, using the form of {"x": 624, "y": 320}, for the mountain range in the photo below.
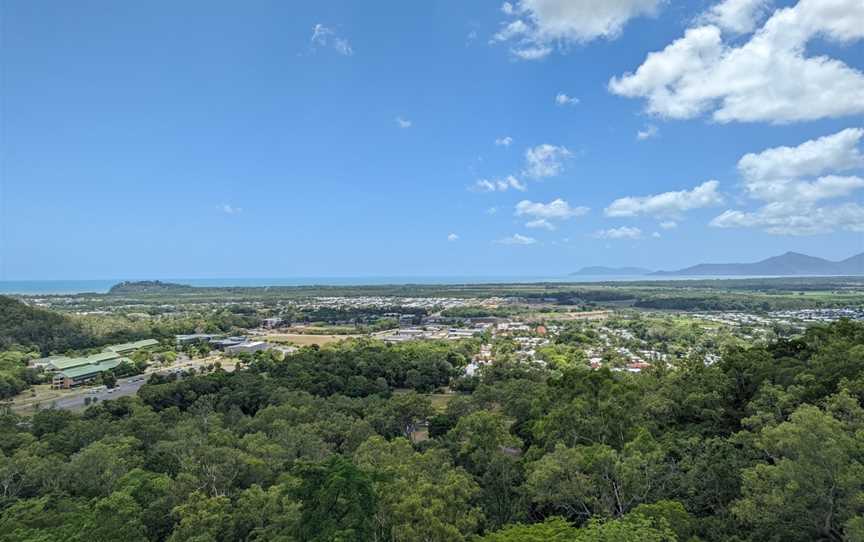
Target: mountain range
{"x": 789, "y": 264}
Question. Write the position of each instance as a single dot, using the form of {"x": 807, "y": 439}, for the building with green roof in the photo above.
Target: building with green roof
{"x": 62, "y": 363}
{"x": 75, "y": 371}
{"x": 131, "y": 347}
{"x": 75, "y": 376}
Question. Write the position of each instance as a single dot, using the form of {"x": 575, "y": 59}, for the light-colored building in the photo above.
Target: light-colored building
{"x": 248, "y": 346}
{"x": 194, "y": 338}
{"x": 272, "y": 322}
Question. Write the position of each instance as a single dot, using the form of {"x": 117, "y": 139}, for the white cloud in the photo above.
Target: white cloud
{"x": 230, "y": 209}
{"x": 669, "y": 225}
{"x": 452, "y": 237}
{"x": 541, "y": 161}
{"x": 505, "y": 141}
{"x": 403, "y": 123}
{"x": 737, "y": 16}
{"x": 656, "y": 235}
{"x": 778, "y": 173}
{"x": 517, "y": 239}
{"x": 766, "y": 78}
{"x": 541, "y": 223}
{"x": 782, "y": 219}
{"x": 667, "y": 204}
{"x": 557, "y": 209}
{"x": 532, "y": 53}
{"x": 323, "y": 36}
{"x": 499, "y": 185}
{"x": 545, "y": 160}
{"x": 650, "y": 131}
{"x": 793, "y": 183}
{"x": 624, "y": 232}
{"x": 563, "y": 99}
{"x": 542, "y": 25}
{"x": 492, "y": 210}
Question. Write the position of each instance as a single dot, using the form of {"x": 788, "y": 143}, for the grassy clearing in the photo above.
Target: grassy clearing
{"x": 307, "y": 340}
{"x": 440, "y": 400}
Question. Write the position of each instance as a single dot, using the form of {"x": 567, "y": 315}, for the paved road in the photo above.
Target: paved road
{"x": 125, "y": 387}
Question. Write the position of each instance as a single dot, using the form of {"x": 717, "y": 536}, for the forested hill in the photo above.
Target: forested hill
{"x": 788, "y": 264}
{"x": 766, "y": 444}
{"x": 147, "y": 287}
{"x": 31, "y": 327}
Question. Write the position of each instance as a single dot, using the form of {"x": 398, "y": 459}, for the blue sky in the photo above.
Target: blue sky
{"x": 274, "y": 139}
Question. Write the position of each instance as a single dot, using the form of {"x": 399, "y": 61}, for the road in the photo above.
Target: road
{"x": 125, "y": 387}
{"x": 75, "y": 399}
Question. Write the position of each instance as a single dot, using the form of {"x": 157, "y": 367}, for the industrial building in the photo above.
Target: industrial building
{"x": 71, "y": 372}
{"x": 249, "y": 346}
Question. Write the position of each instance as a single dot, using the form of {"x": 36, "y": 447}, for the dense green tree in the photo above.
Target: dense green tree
{"x": 631, "y": 529}
{"x": 204, "y": 519}
{"x": 422, "y": 496}
{"x": 812, "y": 483}
{"x": 337, "y": 502}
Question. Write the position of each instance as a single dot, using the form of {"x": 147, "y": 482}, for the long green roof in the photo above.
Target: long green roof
{"x": 64, "y": 363}
{"x": 61, "y": 363}
{"x": 93, "y": 368}
{"x": 126, "y": 347}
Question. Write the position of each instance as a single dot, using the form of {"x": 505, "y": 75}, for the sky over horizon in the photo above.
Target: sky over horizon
{"x": 338, "y": 138}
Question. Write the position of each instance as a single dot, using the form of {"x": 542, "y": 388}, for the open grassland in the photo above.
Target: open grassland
{"x": 307, "y": 340}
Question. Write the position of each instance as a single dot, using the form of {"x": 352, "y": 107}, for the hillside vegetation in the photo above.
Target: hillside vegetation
{"x": 765, "y": 445}
{"x": 48, "y": 331}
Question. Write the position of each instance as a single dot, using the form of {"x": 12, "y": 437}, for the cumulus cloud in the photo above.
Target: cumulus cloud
{"x": 517, "y": 239}
{"x": 784, "y": 219}
{"x": 667, "y": 204}
{"x": 668, "y": 225}
{"x": 781, "y": 172}
{"x": 505, "y": 141}
{"x": 541, "y": 161}
{"x": 545, "y": 160}
{"x": 541, "y": 223}
{"x": 325, "y": 37}
{"x": 737, "y": 16}
{"x": 230, "y": 209}
{"x": 650, "y": 131}
{"x": 452, "y": 237}
{"x": 403, "y": 123}
{"x": 557, "y": 209}
{"x": 794, "y": 183}
{"x": 563, "y": 99}
{"x": 766, "y": 78}
{"x": 539, "y": 26}
{"x": 624, "y": 232}
{"x": 499, "y": 185}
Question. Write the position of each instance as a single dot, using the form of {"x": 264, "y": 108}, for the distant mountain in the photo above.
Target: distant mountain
{"x": 853, "y": 265}
{"x": 789, "y": 264}
{"x": 599, "y": 270}
{"x": 147, "y": 287}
